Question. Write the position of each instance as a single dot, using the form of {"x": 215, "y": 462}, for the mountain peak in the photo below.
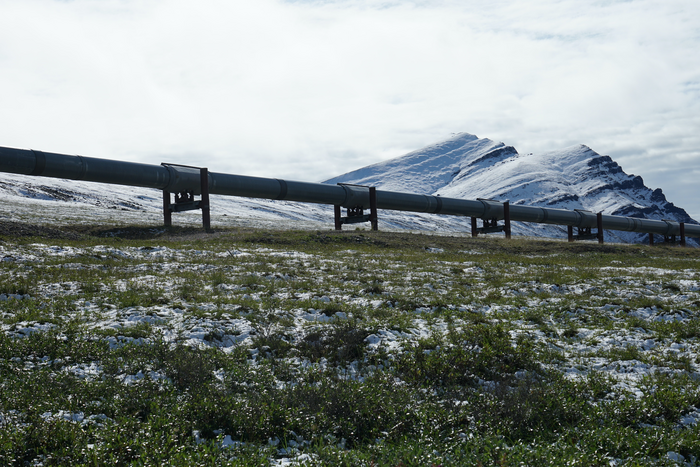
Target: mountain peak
{"x": 432, "y": 167}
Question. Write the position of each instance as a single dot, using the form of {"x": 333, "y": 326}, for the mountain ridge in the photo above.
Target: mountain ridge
{"x": 576, "y": 177}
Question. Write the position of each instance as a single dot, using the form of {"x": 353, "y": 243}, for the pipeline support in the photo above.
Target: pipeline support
{"x": 585, "y": 233}
{"x": 204, "y": 201}
{"x": 491, "y": 217}
{"x": 362, "y": 195}
{"x": 167, "y": 213}
{"x": 184, "y": 199}
{"x": 682, "y": 226}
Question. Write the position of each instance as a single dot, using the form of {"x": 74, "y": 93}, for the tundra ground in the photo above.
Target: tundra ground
{"x": 150, "y": 346}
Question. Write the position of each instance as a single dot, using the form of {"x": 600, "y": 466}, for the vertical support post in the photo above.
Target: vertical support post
{"x": 570, "y": 232}
{"x": 338, "y": 225}
{"x": 682, "y": 233}
{"x": 651, "y": 239}
{"x": 167, "y": 214}
{"x": 204, "y": 202}
{"x": 506, "y": 215}
{"x": 600, "y": 227}
{"x": 475, "y": 232}
{"x": 373, "y": 208}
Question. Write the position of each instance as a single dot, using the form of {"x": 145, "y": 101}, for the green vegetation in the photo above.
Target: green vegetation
{"x": 151, "y": 346}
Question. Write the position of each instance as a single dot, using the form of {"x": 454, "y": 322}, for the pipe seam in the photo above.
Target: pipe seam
{"x": 39, "y": 162}
{"x": 283, "y": 189}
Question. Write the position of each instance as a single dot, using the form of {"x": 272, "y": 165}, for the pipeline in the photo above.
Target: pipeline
{"x": 175, "y": 179}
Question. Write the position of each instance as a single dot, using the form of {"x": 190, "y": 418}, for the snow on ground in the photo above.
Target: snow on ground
{"x": 208, "y": 323}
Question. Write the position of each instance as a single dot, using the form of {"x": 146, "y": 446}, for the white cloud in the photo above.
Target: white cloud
{"x": 310, "y": 89}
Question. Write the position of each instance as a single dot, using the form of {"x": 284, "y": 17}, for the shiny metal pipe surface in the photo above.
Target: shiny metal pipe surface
{"x": 174, "y": 178}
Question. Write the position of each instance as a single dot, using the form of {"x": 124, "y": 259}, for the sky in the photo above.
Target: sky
{"x": 307, "y": 90}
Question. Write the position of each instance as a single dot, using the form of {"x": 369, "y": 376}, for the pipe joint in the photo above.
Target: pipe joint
{"x": 183, "y": 178}
{"x": 40, "y": 162}
{"x": 492, "y": 209}
{"x": 673, "y": 227}
{"x": 355, "y": 196}
{"x": 438, "y": 205}
{"x": 585, "y": 218}
{"x": 283, "y": 189}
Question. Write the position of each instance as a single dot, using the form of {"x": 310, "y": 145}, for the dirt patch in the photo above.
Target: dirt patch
{"x": 17, "y": 229}
{"x": 150, "y": 233}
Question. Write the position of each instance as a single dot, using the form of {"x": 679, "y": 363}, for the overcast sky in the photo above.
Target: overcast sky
{"x": 306, "y": 90}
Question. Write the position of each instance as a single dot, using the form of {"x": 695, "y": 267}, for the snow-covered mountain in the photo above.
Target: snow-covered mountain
{"x": 469, "y": 167}
{"x": 463, "y": 166}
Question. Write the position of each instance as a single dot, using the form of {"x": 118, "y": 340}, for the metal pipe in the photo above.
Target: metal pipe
{"x": 175, "y": 178}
